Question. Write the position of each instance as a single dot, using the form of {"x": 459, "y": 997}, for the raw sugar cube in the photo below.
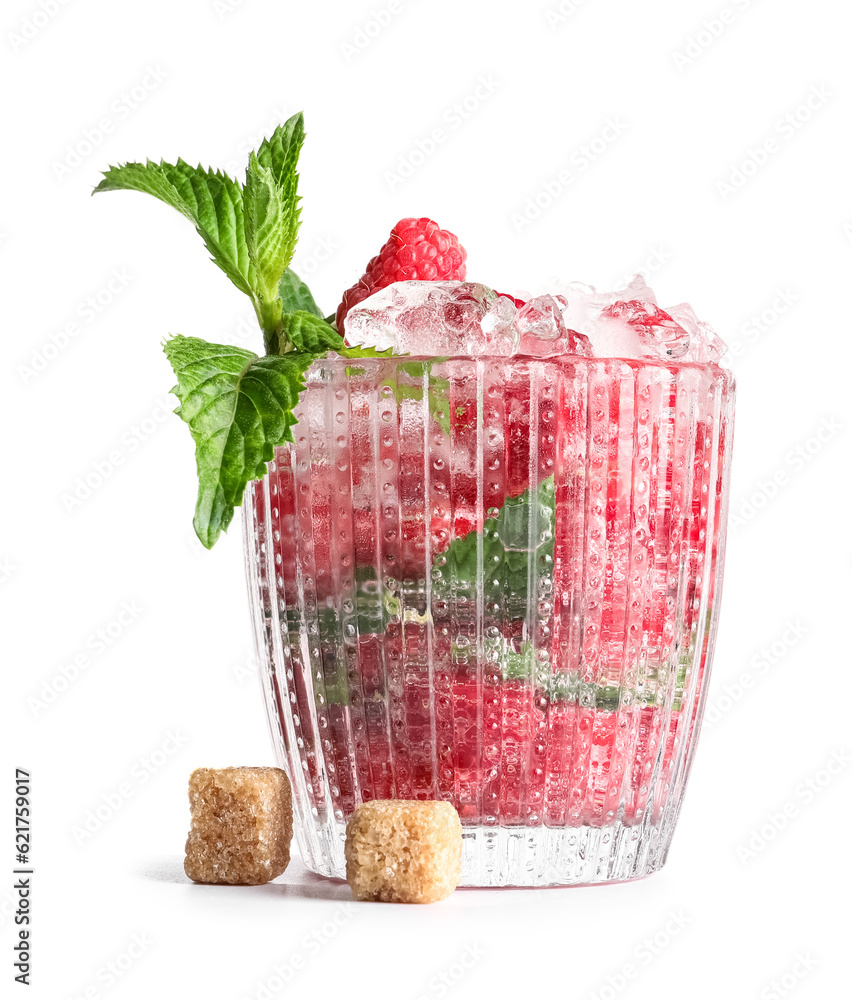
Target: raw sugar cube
{"x": 403, "y": 851}
{"x": 242, "y": 824}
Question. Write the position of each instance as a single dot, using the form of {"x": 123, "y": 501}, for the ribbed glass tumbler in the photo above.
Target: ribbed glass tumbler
{"x": 495, "y": 581}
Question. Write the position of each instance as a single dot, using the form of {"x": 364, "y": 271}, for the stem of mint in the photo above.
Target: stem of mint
{"x": 269, "y": 315}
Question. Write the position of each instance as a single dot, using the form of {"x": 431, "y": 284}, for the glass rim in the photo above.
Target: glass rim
{"x": 573, "y": 360}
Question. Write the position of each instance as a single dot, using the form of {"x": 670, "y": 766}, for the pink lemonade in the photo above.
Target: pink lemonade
{"x": 493, "y": 581}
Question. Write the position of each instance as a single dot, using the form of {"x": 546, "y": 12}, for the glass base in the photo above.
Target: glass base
{"x": 536, "y": 856}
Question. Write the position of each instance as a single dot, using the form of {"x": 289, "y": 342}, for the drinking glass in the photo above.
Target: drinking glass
{"x": 496, "y": 582}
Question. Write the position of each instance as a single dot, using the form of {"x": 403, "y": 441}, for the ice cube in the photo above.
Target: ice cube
{"x": 497, "y": 335}
{"x": 636, "y": 290}
{"x": 584, "y": 303}
{"x": 637, "y": 329}
{"x": 541, "y": 319}
{"x": 500, "y": 316}
{"x": 704, "y": 343}
{"x": 542, "y": 329}
{"x": 577, "y": 300}
{"x": 427, "y": 318}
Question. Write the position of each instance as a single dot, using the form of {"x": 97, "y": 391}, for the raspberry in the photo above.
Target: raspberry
{"x": 417, "y": 250}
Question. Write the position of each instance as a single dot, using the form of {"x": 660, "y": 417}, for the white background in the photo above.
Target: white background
{"x": 692, "y": 107}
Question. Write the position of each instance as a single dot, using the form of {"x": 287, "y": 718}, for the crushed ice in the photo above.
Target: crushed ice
{"x": 445, "y": 318}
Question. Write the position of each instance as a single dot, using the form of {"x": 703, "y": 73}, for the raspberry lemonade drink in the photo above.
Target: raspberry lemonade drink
{"x": 484, "y": 543}
{"x": 491, "y": 580}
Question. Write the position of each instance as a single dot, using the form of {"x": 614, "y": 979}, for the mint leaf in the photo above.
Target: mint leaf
{"x": 269, "y": 243}
{"x": 280, "y": 153}
{"x": 295, "y": 294}
{"x": 238, "y": 407}
{"x": 525, "y": 666}
{"x": 373, "y": 607}
{"x": 439, "y": 388}
{"x": 303, "y": 331}
{"x": 365, "y": 352}
{"x": 272, "y": 205}
{"x": 211, "y": 200}
{"x": 517, "y": 666}
{"x": 439, "y": 391}
{"x": 517, "y": 548}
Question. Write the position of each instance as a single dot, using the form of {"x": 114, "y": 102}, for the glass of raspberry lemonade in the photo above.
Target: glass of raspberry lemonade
{"x": 489, "y": 572}
{"x": 484, "y": 536}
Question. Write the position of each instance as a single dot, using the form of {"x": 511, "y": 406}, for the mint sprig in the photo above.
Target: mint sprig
{"x": 250, "y": 230}
{"x": 239, "y": 405}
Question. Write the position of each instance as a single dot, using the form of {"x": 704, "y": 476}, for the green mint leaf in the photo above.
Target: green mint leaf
{"x": 238, "y": 407}
{"x": 303, "y": 331}
{"x": 373, "y": 608}
{"x": 271, "y": 228}
{"x": 265, "y": 234}
{"x": 517, "y": 548}
{"x": 525, "y": 666}
{"x": 517, "y": 666}
{"x": 439, "y": 388}
{"x": 365, "y": 352}
{"x": 280, "y": 153}
{"x": 211, "y": 200}
{"x": 272, "y": 205}
{"x": 296, "y": 295}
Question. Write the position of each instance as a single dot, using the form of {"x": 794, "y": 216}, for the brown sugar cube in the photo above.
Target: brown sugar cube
{"x": 242, "y": 824}
{"x": 403, "y": 851}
